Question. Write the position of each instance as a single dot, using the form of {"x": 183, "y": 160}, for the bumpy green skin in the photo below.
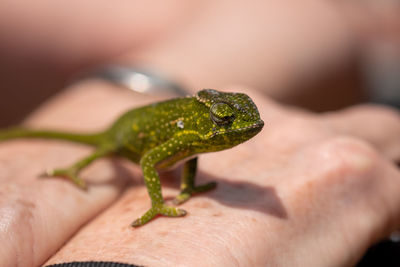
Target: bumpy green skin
{"x": 160, "y": 135}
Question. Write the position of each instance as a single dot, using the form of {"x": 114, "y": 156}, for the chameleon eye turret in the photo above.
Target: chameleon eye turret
{"x": 160, "y": 135}
{"x": 221, "y": 113}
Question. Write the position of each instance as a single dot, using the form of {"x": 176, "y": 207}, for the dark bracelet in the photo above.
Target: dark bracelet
{"x": 92, "y": 264}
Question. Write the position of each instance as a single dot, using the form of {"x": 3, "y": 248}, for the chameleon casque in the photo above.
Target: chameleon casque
{"x": 159, "y": 135}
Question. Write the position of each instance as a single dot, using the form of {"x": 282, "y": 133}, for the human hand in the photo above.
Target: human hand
{"x": 306, "y": 185}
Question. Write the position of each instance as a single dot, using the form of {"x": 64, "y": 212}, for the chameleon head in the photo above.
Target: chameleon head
{"x": 234, "y": 118}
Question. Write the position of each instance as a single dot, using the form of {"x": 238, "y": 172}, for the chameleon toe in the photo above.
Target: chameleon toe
{"x": 158, "y": 210}
{"x": 172, "y": 211}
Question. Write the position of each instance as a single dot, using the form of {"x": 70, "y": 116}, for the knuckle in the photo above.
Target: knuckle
{"x": 346, "y": 155}
{"x": 17, "y": 212}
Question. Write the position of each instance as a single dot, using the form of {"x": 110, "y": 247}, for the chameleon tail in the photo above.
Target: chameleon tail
{"x": 13, "y": 133}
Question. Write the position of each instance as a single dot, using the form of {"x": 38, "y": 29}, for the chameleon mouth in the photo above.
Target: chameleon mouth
{"x": 255, "y": 127}
{"x": 258, "y": 125}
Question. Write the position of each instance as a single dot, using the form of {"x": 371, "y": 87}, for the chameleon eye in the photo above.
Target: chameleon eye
{"x": 221, "y": 113}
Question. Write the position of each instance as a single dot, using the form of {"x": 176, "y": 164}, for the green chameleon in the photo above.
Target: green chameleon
{"x": 159, "y": 135}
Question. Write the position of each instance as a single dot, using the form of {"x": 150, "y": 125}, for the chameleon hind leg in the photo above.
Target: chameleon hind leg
{"x": 72, "y": 172}
{"x": 188, "y": 187}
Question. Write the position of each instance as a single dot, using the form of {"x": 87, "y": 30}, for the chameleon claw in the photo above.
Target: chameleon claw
{"x": 158, "y": 210}
{"x": 43, "y": 175}
{"x": 65, "y": 173}
{"x": 48, "y": 173}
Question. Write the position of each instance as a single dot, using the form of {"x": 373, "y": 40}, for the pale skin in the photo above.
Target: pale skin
{"x": 287, "y": 201}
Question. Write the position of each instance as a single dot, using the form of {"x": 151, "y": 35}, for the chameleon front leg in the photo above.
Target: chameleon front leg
{"x": 188, "y": 187}
{"x": 152, "y": 180}
{"x": 72, "y": 172}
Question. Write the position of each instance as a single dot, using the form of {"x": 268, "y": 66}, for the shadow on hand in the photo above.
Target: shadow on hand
{"x": 122, "y": 176}
{"x": 237, "y": 194}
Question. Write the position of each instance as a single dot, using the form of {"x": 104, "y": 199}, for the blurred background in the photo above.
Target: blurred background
{"x": 43, "y": 46}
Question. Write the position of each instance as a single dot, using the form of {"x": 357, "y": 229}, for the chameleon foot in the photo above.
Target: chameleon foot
{"x": 158, "y": 210}
{"x": 66, "y": 173}
{"x": 189, "y": 191}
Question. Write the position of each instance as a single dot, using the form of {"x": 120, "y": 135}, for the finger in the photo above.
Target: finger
{"x": 377, "y": 125}
{"x": 220, "y": 226}
{"x": 44, "y": 213}
{"x": 351, "y": 190}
